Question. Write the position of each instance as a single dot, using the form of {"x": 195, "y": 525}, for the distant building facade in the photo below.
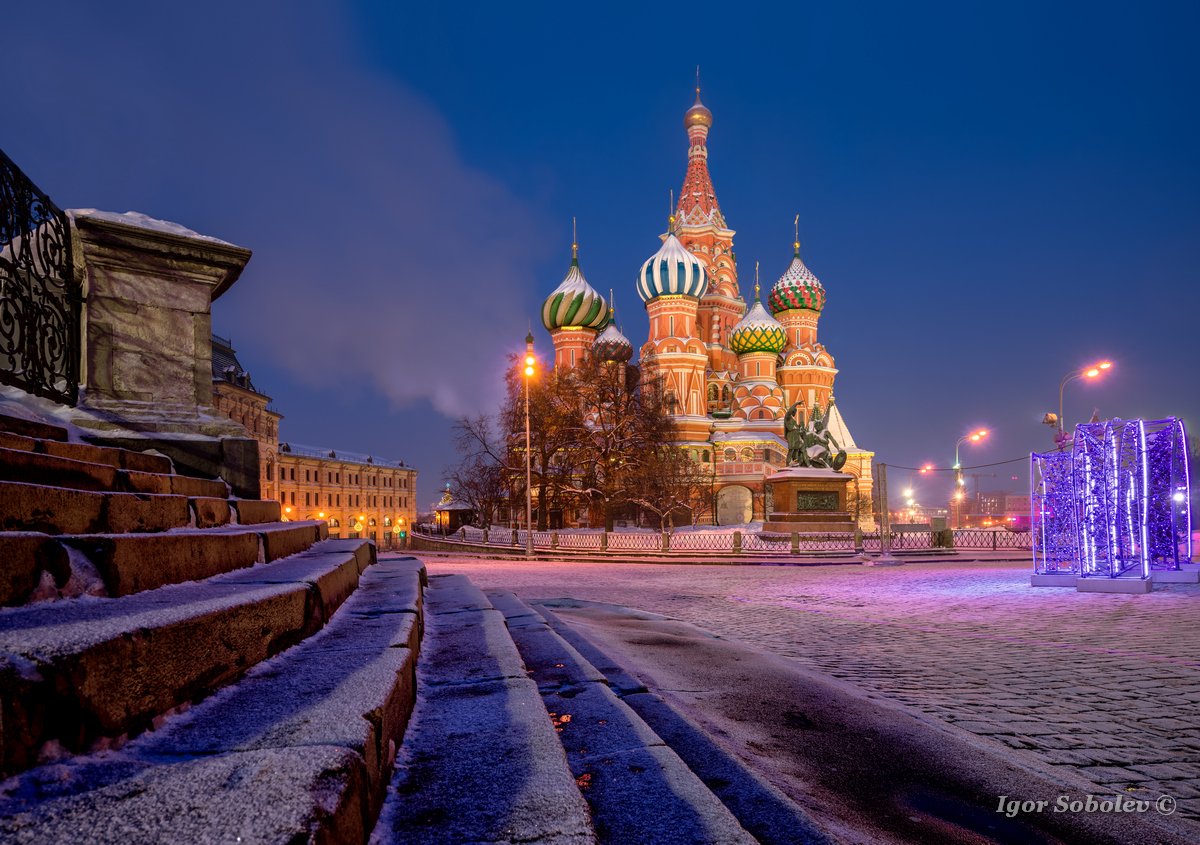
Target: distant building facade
{"x": 236, "y": 397}
{"x": 358, "y": 495}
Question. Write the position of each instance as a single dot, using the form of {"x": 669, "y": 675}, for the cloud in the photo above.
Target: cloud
{"x": 381, "y": 257}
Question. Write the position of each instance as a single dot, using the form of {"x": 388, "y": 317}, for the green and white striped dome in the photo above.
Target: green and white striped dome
{"x": 758, "y": 331}
{"x": 574, "y": 304}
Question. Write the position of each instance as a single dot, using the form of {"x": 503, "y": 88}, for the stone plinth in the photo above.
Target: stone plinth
{"x": 808, "y": 499}
{"x": 148, "y": 288}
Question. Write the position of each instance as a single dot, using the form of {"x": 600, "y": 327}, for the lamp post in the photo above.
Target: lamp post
{"x": 530, "y": 362}
{"x": 974, "y": 437}
{"x": 1093, "y": 372}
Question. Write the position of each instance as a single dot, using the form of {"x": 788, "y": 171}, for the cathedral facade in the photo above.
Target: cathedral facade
{"x": 731, "y": 370}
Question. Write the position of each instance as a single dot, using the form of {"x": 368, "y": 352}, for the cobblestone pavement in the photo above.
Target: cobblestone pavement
{"x": 1107, "y": 685}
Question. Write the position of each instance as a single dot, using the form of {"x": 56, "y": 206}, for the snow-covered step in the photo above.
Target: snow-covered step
{"x": 61, "y": 510}
{"x": 638, "y": 788}
{"x": 80, "y": 671}
{"x": 481, "y": 762}
{"x": 299, "y": 750}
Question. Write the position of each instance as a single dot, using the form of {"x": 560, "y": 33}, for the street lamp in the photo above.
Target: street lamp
{"x": 1093, "y": 372}
{"x": 530, "y": 369}
{"x": 974, "y": 437}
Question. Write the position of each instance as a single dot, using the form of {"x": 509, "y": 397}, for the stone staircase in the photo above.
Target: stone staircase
{"x": 180, "y": 667}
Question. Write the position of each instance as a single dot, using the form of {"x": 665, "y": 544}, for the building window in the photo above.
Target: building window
{"x": 730, "y": 455}
{"x": 747, "y": 454}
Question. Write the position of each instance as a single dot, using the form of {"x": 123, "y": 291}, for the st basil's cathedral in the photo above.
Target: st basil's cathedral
{"x": 730, "y": 371}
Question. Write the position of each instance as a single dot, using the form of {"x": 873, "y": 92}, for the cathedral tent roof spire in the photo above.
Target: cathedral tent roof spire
{"x": 698, "y": 200}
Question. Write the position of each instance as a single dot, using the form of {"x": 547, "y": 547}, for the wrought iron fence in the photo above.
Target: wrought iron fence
{"x": 971, "y": 538}
{"x": 39, "y": 299}
{"x": 729, "y": 542}
{"x": 697, "y": 541}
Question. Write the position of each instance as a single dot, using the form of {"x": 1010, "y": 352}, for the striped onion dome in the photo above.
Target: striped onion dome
{"x": 611, "y": 345}
{"x": 796, "y": 288}
{"x": 574, "y": 304}
{"x": 672, "y": 271}
{"x": 758, "y": 331}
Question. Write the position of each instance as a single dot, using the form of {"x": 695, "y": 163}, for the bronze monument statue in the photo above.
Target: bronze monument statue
{"x": 812, "y": 444}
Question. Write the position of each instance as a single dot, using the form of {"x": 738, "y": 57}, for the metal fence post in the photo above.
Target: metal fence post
{"x": 994, "y": 533}
{"x": 737, "y": 542}
{"x": 666, "y": 543}
{"x": 485, "y": 536}
{"x": 604, "y": 541}
{"x": 858, "y": 538}
{"x": 515, "y": 540}
{"x": 554, "y": 539}
{"x": 795, "y": 542}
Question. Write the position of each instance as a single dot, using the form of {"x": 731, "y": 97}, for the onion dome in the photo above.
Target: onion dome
{"x": 610, "y": 345}
{"x": 758, "y": 331}
{"x": 796, "y": 288}
{"x": 698, "y": 114}
{"x": 672, "y": 271}
{"x": 574, "y": 304}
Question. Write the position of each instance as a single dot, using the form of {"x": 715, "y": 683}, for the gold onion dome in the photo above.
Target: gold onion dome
{"x": 610, "y": 345}
{"x": 796, "y": 288}
{"x": 574, "y": 304}
{"x": 698, "y": 114}
{"x": 758, "y": 331}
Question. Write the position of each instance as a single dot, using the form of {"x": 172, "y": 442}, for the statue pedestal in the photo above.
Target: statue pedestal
{"x": 809, "y": 499}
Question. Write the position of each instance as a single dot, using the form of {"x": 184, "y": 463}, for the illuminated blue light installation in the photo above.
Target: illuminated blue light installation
{"x": 1117, "y": 505}
{"x": 1052, "y": 500}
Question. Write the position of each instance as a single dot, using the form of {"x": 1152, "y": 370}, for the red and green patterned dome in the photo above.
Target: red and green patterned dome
{"x": 758, "y": 331}
{"x": 796, "y": 288}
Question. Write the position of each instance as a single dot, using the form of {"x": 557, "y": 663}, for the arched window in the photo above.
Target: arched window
{"x": 725, "y": 394}
{"x": 712, "y": 393}
{"x": 730, "y": 455}
{"x": 747, "y": 454}
{"x": 387, "y": 522}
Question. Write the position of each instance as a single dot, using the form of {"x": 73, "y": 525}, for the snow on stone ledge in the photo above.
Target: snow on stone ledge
{"x": 144, "y": 221}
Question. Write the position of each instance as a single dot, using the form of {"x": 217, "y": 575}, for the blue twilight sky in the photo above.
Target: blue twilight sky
{"x": 992, "y": 194}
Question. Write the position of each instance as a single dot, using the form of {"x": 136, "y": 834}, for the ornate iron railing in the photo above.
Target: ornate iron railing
{"x": 39, "y": 299}
{"x": 729, "y": 542}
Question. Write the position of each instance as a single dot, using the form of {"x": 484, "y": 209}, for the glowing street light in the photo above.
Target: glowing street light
{"x": 530, "y": 369}
{"x": 974, "y": 437}
{"x": 1090, "y": 373}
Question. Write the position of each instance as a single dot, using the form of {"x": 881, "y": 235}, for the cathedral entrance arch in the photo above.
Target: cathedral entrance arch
{"x": 734, "y": 505}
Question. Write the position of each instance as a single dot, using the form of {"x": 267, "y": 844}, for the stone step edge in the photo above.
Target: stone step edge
{"x": 451, "y": 783}
{"x": 762, "y": 809}
{"x": 340, "y": 804}
{"x": 674, "y": 795}
{"x": 110, "y": 565}
{"x": 78, "y": 474}
{"x": 117, "y": 684}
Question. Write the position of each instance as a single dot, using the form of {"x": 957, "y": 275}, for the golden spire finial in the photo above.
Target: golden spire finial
{"x": 756, "y": 280}
{"x": 796, "y": 244}
{"x": 671, "y": 211}
{"x": 697, "y": 83}
{"x": 574, "y": 242}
